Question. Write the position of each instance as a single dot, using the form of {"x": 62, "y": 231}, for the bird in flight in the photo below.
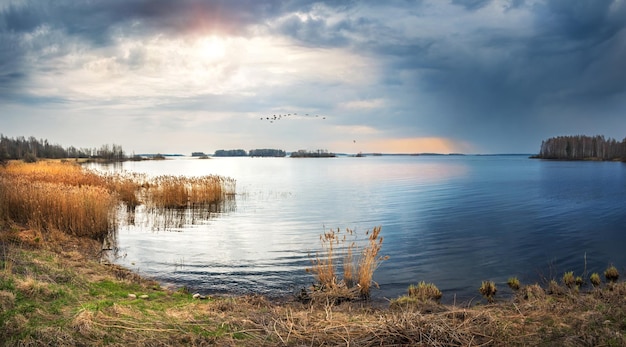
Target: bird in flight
{"x": 276, "y": 117}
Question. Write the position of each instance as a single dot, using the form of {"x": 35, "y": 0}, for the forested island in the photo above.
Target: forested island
{"x": 320, "y": 153}
{"x": 264, "y": 152}
{"x": 581, "y": 147}
{"x": 32, "y": 149}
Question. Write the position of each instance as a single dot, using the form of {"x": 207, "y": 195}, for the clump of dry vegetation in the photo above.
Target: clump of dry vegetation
{"x": 595, "y": 279}
{"x": 611, "y": 274}
{"x": 488, "y": 289}
{"x": 357, "y": 261}
{"x": 513, "y": 283}
{"x": 568, "y": 279}
{"x": 425, "y": 291}
{"x": 425, "y": 296}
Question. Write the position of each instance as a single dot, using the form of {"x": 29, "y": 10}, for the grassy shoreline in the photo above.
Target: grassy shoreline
{"x": 56, "y": 291}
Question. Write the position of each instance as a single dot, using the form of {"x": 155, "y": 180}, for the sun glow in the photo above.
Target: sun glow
{"x": 211, "y": 48}
{"x": 408, "y": 145}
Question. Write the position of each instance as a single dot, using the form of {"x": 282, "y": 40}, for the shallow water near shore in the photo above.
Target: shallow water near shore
{"x": 450, "y": 220}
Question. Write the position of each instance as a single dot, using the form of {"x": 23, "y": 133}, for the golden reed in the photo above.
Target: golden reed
{"x": 64, "y": 196}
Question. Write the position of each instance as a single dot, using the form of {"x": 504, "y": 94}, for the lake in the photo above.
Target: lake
{"x": 450, "y": 220}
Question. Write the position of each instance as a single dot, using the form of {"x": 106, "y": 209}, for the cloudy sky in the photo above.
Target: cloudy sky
{"x": 472, "y": 76}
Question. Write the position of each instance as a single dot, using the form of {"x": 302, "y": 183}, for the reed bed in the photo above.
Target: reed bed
{"x": 76, "y": 210}
{"x": 68, "y": 173}
{"x": 181, "y": 192}
{"x": 64, "y": 196}
{"x": 127, "y": 186}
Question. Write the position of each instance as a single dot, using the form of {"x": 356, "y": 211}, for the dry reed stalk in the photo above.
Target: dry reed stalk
{"x": 370, "y": 260}
{"x": 324, "y": 267}
{"x": 357, "y": 270}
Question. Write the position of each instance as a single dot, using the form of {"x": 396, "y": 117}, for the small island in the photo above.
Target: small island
{"x": 581, "y": 147}
{"x": 320, "y": 153}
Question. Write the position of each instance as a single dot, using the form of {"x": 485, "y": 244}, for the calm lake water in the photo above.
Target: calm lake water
{"x": 450, "y": 220}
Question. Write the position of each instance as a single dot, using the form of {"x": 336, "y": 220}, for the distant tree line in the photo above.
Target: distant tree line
{"x": 320, "y": 153}
{"x": 30, "y": 149}
{"x": 266, "y": 152}
{"x": 581, "y": 147}
{"x": 230, "y": 153}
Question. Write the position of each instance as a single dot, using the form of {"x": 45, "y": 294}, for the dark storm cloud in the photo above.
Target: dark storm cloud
{"x": 472, "y": 4}
{"x": 572, "y": 52}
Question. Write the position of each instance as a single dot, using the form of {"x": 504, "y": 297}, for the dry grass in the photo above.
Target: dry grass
{"x": 359, "y": 264}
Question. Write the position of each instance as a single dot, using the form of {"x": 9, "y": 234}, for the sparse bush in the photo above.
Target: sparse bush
{"x": 595, "y": 279}
{"x": 29, "y": 158}
{"x": 488, "y": 290}
{"x": 513, "y": 283}
{"x": 611, "y": 274}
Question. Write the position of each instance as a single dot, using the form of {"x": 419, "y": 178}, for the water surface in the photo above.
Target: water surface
{"x": 450, "y": 220}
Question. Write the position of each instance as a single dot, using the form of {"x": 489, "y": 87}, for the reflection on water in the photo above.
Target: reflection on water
{"x": 155, "y": 218}
{"x": 451, "y": 220}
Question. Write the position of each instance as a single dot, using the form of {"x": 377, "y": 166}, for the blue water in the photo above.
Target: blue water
{"x": 450, "y": 220}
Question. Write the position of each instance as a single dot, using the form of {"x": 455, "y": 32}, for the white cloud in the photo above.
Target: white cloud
{"x": 363, "y": 104}
{"x": 158, "y": 69}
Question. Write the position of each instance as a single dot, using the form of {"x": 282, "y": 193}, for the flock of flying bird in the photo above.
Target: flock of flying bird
{"x": 274, "y": 118}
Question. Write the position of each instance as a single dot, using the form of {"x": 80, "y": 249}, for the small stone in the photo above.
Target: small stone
{"x": 143, "y": 296}
{"x": 196, "y": 295}
{"x": 132, "y": 296}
